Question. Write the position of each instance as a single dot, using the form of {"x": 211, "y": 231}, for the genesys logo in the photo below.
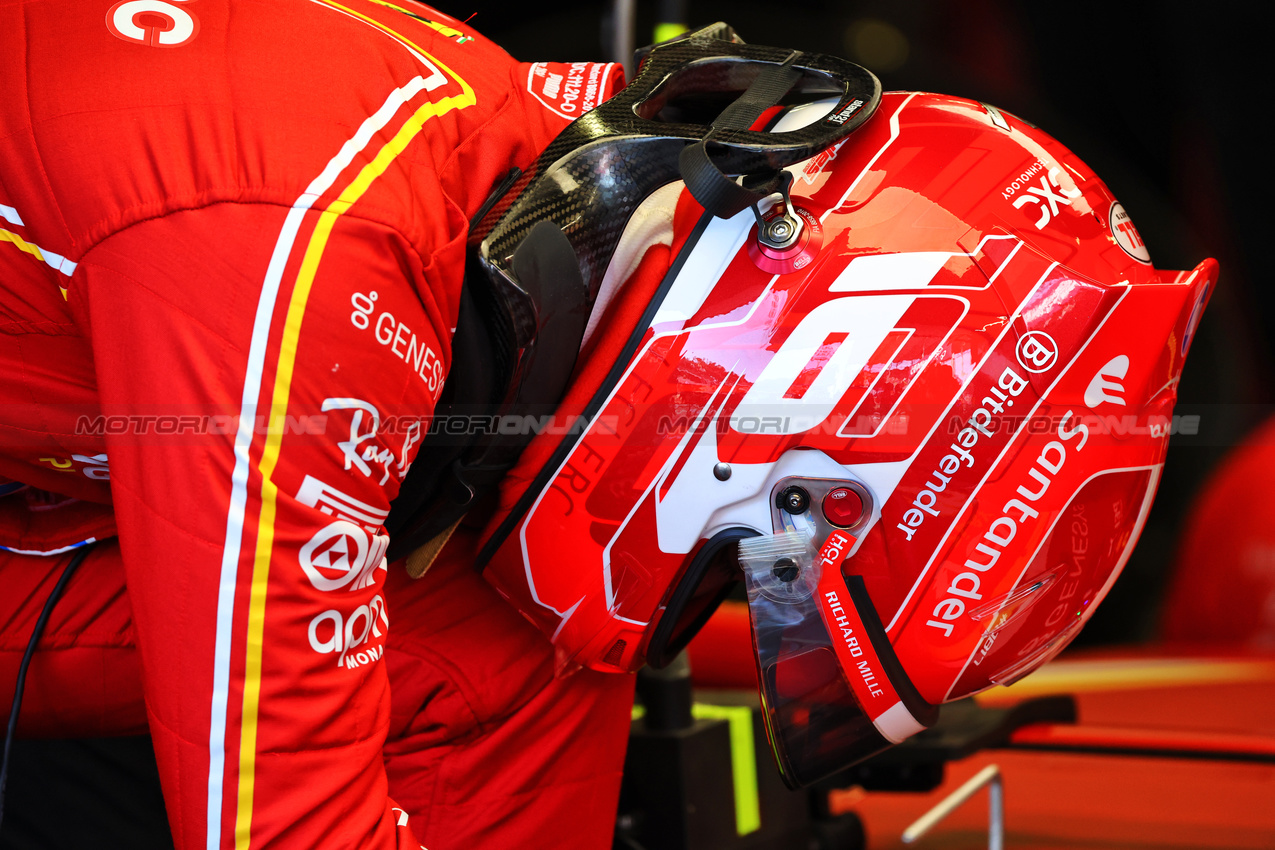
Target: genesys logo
{"x": 153, "y": 23}
{"x": 570, "y": 89}
{"x": 1039, "y": 187}
{"x": 416, "y": 351}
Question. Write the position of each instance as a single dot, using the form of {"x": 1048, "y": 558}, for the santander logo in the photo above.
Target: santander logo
{"x": 1106, "y": 386}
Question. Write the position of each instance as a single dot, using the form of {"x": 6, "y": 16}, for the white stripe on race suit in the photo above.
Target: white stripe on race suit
{"x": 53, "y": 259}
{"x": 57, "y": 262}
{"x": 243, "y": 438}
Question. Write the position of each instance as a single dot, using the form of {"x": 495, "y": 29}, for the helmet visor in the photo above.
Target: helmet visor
{"x": 832, "y": 690}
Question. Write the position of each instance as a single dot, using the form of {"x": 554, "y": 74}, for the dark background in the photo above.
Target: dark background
{"x": 1163, "y": 100}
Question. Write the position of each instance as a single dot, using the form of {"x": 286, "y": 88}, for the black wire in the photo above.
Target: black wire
{"x": 40, "y": 623}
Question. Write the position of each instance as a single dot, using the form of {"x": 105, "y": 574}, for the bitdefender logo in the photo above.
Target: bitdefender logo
{"x": 1037, "y": 352}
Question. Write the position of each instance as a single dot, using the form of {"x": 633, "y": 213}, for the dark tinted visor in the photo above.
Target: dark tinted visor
{"x": 832, "y": 691}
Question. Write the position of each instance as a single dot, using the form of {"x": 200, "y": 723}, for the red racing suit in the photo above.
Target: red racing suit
{"x": 232, "y": 239}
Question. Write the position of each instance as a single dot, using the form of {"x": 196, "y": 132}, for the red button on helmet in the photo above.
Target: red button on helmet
{"x": 842, "y": 507}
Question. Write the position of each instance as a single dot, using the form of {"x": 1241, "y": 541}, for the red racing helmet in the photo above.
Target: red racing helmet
{"x": 925, "y": 432}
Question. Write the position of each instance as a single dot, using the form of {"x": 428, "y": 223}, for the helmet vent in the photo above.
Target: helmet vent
{"x": 615, "y": 653}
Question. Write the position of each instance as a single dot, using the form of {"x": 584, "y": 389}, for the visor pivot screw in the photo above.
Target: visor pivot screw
{"x": 721, "y": 471}
{"x": 794, "y": 500}
{"x": 785, "y": 570}
{"x": 780, "y": 232}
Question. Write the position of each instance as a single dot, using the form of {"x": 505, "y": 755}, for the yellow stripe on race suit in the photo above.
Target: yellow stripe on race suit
{"x": 21, "y": 244}
{"x": 55, "y": 261}
{"x": 278, "y": 409}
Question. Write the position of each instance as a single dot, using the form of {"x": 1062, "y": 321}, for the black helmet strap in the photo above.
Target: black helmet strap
{"x": 716, "y": 192}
